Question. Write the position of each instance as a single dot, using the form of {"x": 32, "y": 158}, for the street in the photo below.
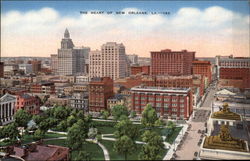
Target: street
{"x": 191, "y": 146}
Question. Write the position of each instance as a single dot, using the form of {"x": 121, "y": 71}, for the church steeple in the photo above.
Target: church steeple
{"x": 66, "y": 34}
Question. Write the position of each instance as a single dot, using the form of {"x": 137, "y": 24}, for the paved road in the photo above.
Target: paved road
{"x": 190, "y": 144}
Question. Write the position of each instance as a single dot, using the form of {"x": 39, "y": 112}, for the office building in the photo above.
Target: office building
{"x": 174, "y": 103}
{"x": 167, "y": 62}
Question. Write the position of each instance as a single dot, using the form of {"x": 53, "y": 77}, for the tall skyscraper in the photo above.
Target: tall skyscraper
{"x": 172, "y": 62}
{"x": 111, "y": 61}
{"x": 71, "y": 59}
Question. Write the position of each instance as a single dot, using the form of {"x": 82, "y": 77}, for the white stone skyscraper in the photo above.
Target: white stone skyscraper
{"x": 71, "y": 59}
{"x": 111, "y": 61}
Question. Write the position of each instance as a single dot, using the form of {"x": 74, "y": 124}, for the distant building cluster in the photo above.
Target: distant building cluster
{"x": 173, "y": 82}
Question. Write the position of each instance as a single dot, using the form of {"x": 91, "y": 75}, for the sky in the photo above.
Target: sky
{"x": 35, "y": 28}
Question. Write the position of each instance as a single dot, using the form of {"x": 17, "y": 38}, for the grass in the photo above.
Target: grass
{"x": 94, "y": 149}
{"x": 174, "y": 135}
{"x": 134, "y": 156}
{"x": 29, "y": 138}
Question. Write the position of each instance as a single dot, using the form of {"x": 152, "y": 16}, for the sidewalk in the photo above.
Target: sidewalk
{"x": 173, "y": 147}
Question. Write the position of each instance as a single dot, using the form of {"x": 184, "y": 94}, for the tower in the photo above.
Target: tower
{"x": 66, "y": 42}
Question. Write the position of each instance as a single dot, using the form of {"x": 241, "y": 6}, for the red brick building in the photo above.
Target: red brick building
{"x": 204, "y": 68}
{"x": 235, "y": 77}
{"x": 167, "y": 62}
{"x": 140, "y": 69}
{"x": 43, "y": 88}
{"x": 1, "y": 69}
{"x": 176, "y": 82}
{"x": 175, "y": 103}
{"x": 28, "y": 103}
{"x": 129, "y": 82}
{"x": 100, "y": 89}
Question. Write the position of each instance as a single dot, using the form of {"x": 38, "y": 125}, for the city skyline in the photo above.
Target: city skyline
{"x": 213, "y": 28}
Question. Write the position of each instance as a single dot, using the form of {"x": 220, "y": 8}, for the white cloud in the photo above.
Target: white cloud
{"x": 47, "y": 22}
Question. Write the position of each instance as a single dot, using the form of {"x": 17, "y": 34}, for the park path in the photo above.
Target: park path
{"x": 104, "y": 149}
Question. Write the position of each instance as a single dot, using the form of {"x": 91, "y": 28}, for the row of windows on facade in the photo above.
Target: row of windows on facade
{"x": 160, "y": 99}
{"x": 182, "y": 111}
{"x": 165, "y": 105}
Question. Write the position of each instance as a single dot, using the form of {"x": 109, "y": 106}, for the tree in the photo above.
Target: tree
{"x": 124, "y": 145}
{"x": 119, "y": 110}
{"x": 132, "y": 114}
{"x": 126, "y": 127}
{"x": 77, "y": 134}
{"x": 171, "y": 125}
{"x": 71, "y": 120}
{"x": 10, "y": 131}
{"x": 38, "y": 118}
{"x": 154, "y": 143}
{"x": 22, "y": 117}
{"x": 159, "y": 122}
{"x": 39, "y": 134}
{"x": 48, "y": 123}
{"x": 62, "y": 126}
{"x": 61, "y": 113}
{"x": 105, "y": 114}
{"x": 149, "y": 116}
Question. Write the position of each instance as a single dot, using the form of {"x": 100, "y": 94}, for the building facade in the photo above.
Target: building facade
{"x": 140, "y": 69}
{"x": 46, "y": 88}
{"x": 100, "y": 89}
{"x": 71, "y": 59}
{"x": 111, "y": 61}
{"x": 175, "y": 103}
{"x": 204, "y": 68}
{"x": 27, "y": 68}
{"x": 54, "y": 63}
{"x": 235, "y": 77}
{"x": 133, "y": 59}
{"x": 167, "y": 62}
{"x": 79, "y": 101}
{"x": 1, "y": 69}
{"x": 36, "y": 66}
{"x": 28, "y": 103}
{"x": 7, "y": 108}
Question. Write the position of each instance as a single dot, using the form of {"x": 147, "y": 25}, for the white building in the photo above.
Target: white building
{"x": 79, "y": 101}
{"x": 133, "y": 59}
{"x": 82, "y": 79}
{"x": 111, "y": 61}
{"x": 70, "y": 59}
{"x": 27, "y": 68}
{"x": 7, "y": 108}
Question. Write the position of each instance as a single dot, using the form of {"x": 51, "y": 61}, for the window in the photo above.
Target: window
{"x": 174, "y": 105}
{"x": 158, "y": 104}
{"x": 158, "y": 98}
{"x": 166, "y": 99}
{"x": 174, "y": 100}
{"x": 174, "y": 109}
{"x": 151, "y": 98}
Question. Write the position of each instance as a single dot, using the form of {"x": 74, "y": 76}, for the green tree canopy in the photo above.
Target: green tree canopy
{"x": 149, "y": 116}
{"x": 104, "y": 114}
{"x": 118, "y": 110}
{"x": 154, "y": 143}
{"x": 124, "y": 145}
{"x": 77, "y": 134}
{"x": 10, "y": 131}
{"x": 61, "y": 112}
{"x": 126, "y": 127}
{"x": 39, "y": 134}
{"x": 22, "y": 117}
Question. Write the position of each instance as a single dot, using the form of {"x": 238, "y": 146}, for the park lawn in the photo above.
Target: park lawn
{"x": 172, "y": 138}
{"x": 94, "y": 149}
{"x": 29, "y": 138}
{"x": 134, "y": 156}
